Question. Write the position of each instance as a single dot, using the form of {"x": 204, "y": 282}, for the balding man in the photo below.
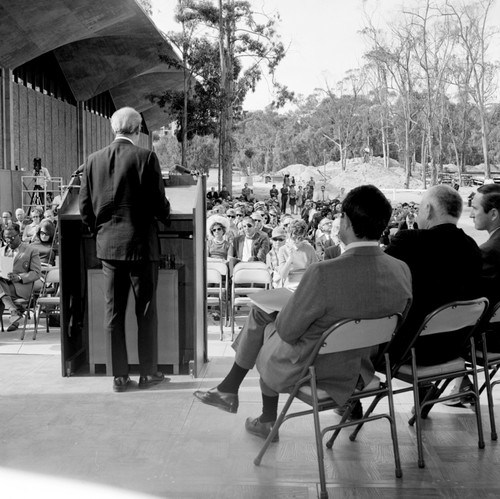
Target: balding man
{"x": 121, "y": 198}
{"x": 445, "y": 264}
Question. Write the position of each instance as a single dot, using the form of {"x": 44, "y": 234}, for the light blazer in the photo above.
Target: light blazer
{"x": 27, "y": 265}
{"x": 121, "y": 198}
{"x": 363, "y": 282}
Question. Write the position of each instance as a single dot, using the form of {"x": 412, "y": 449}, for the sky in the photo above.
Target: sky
{"x": 321, "y": 36}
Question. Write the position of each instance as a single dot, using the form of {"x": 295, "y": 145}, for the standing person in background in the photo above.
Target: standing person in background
{"x": 292, "y": 195}
{"x": 42, "y": 176}
{"x": 284, "y": 197}
{"x": 300, "y": 200}
{"x": 121, "y": 198}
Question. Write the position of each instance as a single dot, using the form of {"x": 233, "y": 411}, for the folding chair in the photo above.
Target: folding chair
{"x": 48, "y": 299}
{"x": 224, "y": 272}
{"x": 247, "y": 279}
{"x": 345, "y": 335}
{"x": 490, "y": 361}
{"x": 28, "y": 306}
{"x": 447, "y": 318}
{"x": 214, "y": 294}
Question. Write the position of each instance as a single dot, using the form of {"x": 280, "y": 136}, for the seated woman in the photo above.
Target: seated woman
{"x": 217, "y": 242}
{"x": 30, "y": 230}
{"x": 43, "y": 241}
{"x": 296, "y": 255}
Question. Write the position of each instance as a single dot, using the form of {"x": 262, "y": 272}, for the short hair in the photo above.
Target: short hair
{"x": 48, "y": 227}
{"x": 491, "y": 197}
{"x": 126, "y": 121}
{"x": 297, "y": 229}
{"x": 368, "y": 210}
{"x": 7, "y": 211}
{"x": 36, "y": 211}
{"x": 448, "y": 200}
{"x": 14, "y": 226}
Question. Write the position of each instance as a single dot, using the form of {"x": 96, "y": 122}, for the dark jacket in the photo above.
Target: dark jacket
{"x": 445, "y": 265}
{"x": 121, "y": 198}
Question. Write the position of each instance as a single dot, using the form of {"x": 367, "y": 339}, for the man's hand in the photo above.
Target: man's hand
{"x": 14, "y": 277}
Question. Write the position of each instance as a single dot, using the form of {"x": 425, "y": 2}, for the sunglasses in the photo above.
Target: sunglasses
{"x": 216, "y": 229}
{"x": 239, "y": 214}
{"x": 231, "y": 216}
{"x": 278, "y": 239}
{"x": 248, "y": 225}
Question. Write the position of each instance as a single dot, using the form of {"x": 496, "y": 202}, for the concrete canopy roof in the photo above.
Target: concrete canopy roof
{"x": 100, "y": 45}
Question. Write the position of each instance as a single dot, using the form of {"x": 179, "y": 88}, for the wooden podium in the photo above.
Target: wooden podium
{"x": 181, "y": 300}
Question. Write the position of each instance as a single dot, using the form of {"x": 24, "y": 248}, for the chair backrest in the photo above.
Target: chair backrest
{"x": 249, "y": 265}
{"x": 494, "y": 314}
{"x": 350, "y": 334}
{"x": 52, "y": 276}
{"x": 220, "y": 266}
{"x": 454, "y": 316}
{"x": 252, "y": 276}
{"x": 214, "y": 277}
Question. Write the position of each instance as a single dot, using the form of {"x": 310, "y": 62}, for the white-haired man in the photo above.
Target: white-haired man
{"x": 121, "y": 198}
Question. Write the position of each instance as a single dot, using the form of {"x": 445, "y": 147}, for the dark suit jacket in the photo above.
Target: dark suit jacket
{"x": 332, "y": 252}
{"x": 490, "y": 253}
{"x": 121, "y": 197}
{"x": 363, "y": 282}
{"x": 260, "y": 247}
{"x": 445, "y": 264}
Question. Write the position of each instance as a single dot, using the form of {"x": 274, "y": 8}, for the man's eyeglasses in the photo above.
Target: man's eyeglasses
{"x": 10, "y": 238}
{"x": 44, "y": 233}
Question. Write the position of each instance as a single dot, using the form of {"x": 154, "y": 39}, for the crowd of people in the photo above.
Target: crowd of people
{"x": 32, "y": 244}
{"x": 405, "y": 259}
{"x": 288, "y": 242}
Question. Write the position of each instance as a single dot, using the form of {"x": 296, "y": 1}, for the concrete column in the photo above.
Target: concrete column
{"x": 6, "y": 118}
{"x": 81, "y": 132}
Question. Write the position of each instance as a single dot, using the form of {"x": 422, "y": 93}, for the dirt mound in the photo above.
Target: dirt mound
{"x": 357, "y": 173}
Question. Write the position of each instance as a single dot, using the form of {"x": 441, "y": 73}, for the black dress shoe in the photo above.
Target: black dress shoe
{"x": 356, "y": 412}
{"x": 121, "y": 383}
{"x": 226, "y": 401}
{"x": 262, "y": 430}
{"x": 151, "y": 380}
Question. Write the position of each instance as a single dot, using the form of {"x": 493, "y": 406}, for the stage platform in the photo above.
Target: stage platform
{"x": 74, "y": 437}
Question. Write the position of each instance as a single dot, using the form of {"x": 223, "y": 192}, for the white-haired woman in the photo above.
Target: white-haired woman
{"x": 296, "y": 255}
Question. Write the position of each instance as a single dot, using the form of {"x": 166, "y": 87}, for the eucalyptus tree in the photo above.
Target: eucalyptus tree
{"x": 474, "y": 36}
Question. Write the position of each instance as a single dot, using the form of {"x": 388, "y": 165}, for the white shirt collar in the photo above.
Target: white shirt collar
{"x": 124, "y": 138}
{"x": 360, "y": 244}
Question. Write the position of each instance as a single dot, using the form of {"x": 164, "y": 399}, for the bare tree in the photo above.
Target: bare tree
{"x": 473, "y": 38}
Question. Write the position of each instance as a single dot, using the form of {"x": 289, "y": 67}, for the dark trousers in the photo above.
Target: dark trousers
{"x": 142, "y": 276}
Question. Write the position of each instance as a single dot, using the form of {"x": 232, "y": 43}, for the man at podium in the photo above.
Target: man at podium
{"x": 121, "y": 198}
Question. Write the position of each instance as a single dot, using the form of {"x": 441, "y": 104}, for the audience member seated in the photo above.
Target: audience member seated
{"x": 323, "y": 238}
{"x": 25, "y": 271}
{"x": 278, "y": 237}
{"x": 21, "y": 219}
{"x": 217, "y": 243}
{"x": 362, "y": 282}
{"x": 251, "y": 246}
{"x": 445, "y": 264}
{"x": 44, "y": 243}
{"x": 296, "y": 255}
{"x": 30, "y": 229}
